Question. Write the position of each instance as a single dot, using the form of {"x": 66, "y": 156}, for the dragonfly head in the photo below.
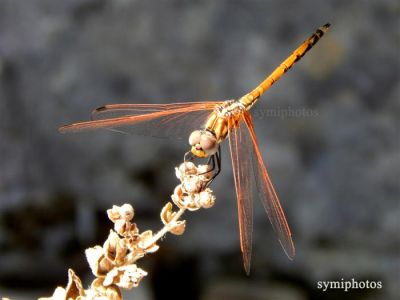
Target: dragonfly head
{"x": 203, "y": 142}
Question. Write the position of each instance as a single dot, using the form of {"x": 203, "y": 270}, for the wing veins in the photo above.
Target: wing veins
{"x": 268, "y": 195}
{"x": 242, "y": 171}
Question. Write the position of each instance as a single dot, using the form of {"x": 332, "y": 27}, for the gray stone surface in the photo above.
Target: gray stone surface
{"x": 336, "y": 166}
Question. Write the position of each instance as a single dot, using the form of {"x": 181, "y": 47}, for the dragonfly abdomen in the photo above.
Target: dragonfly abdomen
{"x": 250, "y": 99}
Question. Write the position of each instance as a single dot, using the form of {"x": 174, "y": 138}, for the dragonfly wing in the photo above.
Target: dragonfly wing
{"x": 242, "y": 173}
{"x": 168, "y": 120}
{"x": 268, "y": 195}
{"x": 119, "y": 110}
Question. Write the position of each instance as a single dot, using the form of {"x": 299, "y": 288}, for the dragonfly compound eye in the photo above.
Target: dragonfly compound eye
{"x": 208, "y": 142}
{"x": 194, "y": 137}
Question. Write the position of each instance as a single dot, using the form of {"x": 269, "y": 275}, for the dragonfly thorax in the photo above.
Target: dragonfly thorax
{"x": 203, "y": 142}
{"x": 230, "y": 108}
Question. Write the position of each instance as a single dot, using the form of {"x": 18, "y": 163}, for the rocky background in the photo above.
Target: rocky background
{"x": 329, "y": 131}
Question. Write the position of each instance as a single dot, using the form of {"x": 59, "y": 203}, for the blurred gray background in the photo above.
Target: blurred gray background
{"x": 331, "y": 143}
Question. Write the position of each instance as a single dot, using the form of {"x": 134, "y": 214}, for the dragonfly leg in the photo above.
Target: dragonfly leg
{"x": 218, "y": 159}
{"x": 215, "y": 159}
{"x": 188, "y": 156}
{"x": 213, "y": 165}
{"x": 210, "y": 162}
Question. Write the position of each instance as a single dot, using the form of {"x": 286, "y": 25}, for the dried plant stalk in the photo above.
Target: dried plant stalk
{"x": 114, "y": 264}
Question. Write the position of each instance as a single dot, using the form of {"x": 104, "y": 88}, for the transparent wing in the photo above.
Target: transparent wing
{"x": 268, "y": 195}
{"x": 240, "y": 146}
{"x": 168, "y": 120}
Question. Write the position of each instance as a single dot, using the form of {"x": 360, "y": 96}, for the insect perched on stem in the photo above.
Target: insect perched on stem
{"x": 207, "y": 124}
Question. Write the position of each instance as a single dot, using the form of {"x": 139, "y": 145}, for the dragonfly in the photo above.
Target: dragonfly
{"x": 208, "y": 124}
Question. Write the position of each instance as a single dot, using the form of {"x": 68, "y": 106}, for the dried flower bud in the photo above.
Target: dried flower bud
{"x": 191, "y": 202}
{"x": 146, "y": 243}
{"x": 131, "y": 276}
{"x": 111, "y": 244}
{"x": 192, "y": 184}
{"x": 178, "y": 228}
{"x": 207, "y": 199}
{"x": 183, "y": 200}
{"x": 74, "y": 288}
{"x": 187, "y": 168}
{"x": 166, "y": 213}
{"x": 94, "y": 255}
{"x": 126, "y": 211}
{"x": 132, "y": 242}
{"x": 115, "y": 248}
{"x": 104, "y": 266}
{"x": 124, "y": 228}
{"x": 126, "y": 277}
{"x": 113, "y": 213}
{"x": 177, "y": 196}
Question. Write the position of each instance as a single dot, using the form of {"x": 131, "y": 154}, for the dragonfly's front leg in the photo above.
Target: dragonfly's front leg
{"x": 214, "y": 162}
{"x": 188, "y": 156}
